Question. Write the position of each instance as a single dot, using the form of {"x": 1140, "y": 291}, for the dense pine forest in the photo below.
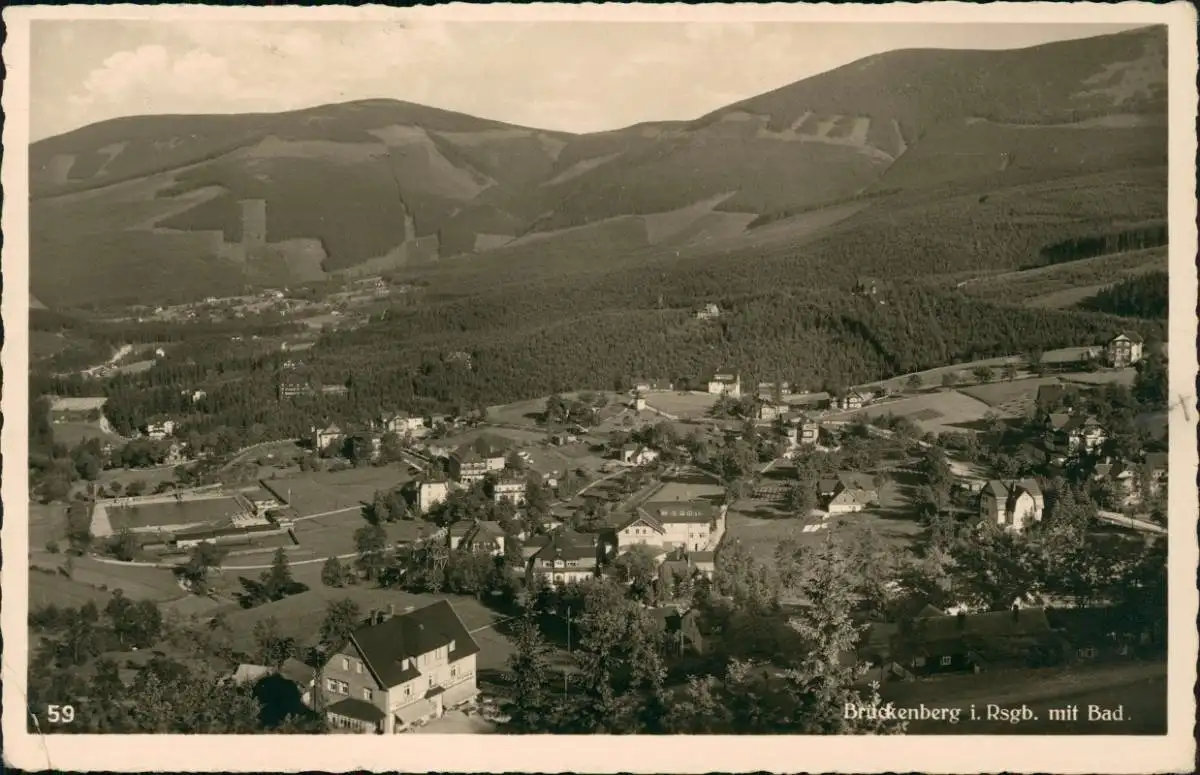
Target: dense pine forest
{"x": 1146, "y": 296}
{"x": 552, "y": 339}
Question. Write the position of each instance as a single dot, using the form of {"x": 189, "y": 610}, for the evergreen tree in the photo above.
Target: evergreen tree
{"x": 532, "y": 707}
{"x": 333, "y": 573}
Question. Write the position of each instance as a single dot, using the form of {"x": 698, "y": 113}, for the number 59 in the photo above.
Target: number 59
{"x": 60, "y": 714}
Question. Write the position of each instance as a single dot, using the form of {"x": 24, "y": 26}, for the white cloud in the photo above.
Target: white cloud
{"x": 149, "y": 76}
{"x": 123, "y": 73}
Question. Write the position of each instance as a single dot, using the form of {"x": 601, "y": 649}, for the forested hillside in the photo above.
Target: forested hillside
{"x": 381, "y": 185}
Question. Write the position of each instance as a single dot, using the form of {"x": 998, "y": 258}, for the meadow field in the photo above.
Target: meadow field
{"x": 300, "y": 616}
{"x": 93, "y": 580}
{"x": 936, "y": 412}
{"x": 1014, "y": 398}
{"x": 47, "y": 522}
{"x": 55, "y": 589}
{"x": 1123, "y": 377}
{"x": 324, "y": 491}
{"x": 327, "y": 536}
{"x": 685, "y": 406}
{"x": 74, "y": 432}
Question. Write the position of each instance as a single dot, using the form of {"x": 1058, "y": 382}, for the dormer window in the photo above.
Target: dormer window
{"x": 450, "y": 647}
{"x": 404, "y": 663}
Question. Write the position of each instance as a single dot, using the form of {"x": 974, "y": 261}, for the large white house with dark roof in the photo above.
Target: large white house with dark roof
{"x": 1124, "y": 350}
{"x": 1011, "y": 504}
{"x": 690, "y": 525}
{"x": 399, "y": 670}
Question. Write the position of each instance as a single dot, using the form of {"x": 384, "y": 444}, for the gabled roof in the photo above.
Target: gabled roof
{"x": 406, "y": 636}
{"x": 1078, "y": 422}
{"x": 490, "y": 528}
{"x": 567, "y": 545}
{"x": 642, "y": 517}
{"x": 1132, "y": 337}
{"x": 1002, "y": 489}
{"x": 986, "y": 625}
{"x": 854, "y": 497}
{"x": 1058, "y": 420}
{"x": 352, "y": 707}
{"x": 486, "y": 446}
{"x": 679, "y": 512}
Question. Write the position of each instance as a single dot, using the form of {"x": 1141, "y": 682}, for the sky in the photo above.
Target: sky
{"x": 572, "y": 76}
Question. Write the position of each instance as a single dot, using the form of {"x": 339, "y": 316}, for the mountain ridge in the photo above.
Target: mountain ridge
{"x": 389, "y": 184}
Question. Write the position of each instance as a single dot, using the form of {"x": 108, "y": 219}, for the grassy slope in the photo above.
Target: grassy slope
{"x": 955, "y": 111}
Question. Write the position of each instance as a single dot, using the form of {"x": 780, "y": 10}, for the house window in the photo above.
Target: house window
{"x": 345, "y": 664}
{"x": 450, "y": 648}
{"x": 407, "y": 691}
{"x": 453, "y": 672}
{"x": 330, "y": 685}
{"x": 366, "y": 694}
{"x": 357, "y": 666}
{"x": 947, "y": 661}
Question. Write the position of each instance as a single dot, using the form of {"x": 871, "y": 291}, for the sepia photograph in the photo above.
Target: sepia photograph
{"x": 670, "y": 374}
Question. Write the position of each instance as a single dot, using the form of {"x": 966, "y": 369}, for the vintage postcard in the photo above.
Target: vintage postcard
{"x": 639, "y": 378}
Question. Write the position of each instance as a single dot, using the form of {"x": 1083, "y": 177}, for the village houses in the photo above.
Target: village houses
{"x": 725, "y": 385}
{"x": 470, "y": 463}
{"x": 1123, "y": 350}
{"x": 689, "y": 525}
{"x": 430, "y": 493}
{"x": 563, "y": 556}
{"x": 477, "y": 535}
{"x": 851, "y": 400}
{"x": 399, "y": 670}
{"x": 709, "y": 311}
{"x": 1135, "y": 483}
{"x": 158, "y": 431}
{"x": 769, "y": 390}
{"x": 511, "y": 489}
{"x": 644, "y": 385}
{"x": 323, "y": 438}
{"x": 769, "y": 411}
{"x": 1068, "y": 433}
{"x": 935, "y": 643}
{"x": 638, "y": 454}
{"x": 1011, "y": 504}
{"x": 403, "y": 424}
{"x": 847, "y": 492}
